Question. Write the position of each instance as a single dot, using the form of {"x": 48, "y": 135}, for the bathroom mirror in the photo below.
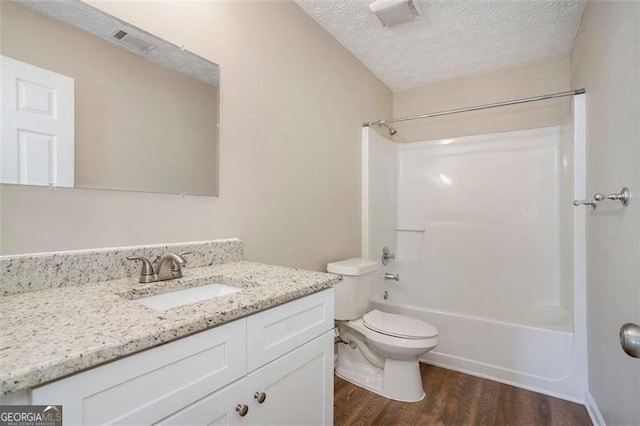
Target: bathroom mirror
{"x": 90, "y": 101}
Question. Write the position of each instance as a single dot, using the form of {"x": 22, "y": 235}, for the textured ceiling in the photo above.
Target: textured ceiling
{"x": 453, "y": 38}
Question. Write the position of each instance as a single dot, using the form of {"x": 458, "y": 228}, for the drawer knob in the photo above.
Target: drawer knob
{"x": 242, "y": 409}
{"x": 260, "y": 397}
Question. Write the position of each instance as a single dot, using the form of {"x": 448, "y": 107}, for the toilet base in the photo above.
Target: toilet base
{"x": 399, "y": 380}
{"x": 345, "y": 375}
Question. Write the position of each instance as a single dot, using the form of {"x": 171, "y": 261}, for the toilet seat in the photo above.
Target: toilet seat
{"x": 398, "y": 325}
{"x": 378, "y": 338}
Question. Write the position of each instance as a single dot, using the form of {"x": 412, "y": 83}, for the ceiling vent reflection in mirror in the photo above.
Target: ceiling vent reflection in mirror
{"x": 87, "y": 18}
{"x": 134, "y": 41}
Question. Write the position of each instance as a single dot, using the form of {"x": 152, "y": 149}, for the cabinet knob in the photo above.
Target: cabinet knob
{"x": 260, "y": 397}
{"x": 242, "y": 409}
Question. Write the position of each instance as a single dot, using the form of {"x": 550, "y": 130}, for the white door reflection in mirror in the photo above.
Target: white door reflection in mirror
{"x": 37, "y": 146}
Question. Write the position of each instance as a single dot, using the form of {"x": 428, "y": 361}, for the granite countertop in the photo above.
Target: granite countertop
{"x": 51, "y": 333}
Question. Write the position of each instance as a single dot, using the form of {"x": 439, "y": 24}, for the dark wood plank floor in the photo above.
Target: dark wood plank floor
{"x": 455, "y": 399}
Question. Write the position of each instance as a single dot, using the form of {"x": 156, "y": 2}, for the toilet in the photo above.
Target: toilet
{"x": 378, "y": 351}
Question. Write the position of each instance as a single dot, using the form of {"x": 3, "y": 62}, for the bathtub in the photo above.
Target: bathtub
{"x": 538, "y": 359}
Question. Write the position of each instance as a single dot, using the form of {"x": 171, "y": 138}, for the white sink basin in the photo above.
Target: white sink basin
{"x": 184, "y": 297}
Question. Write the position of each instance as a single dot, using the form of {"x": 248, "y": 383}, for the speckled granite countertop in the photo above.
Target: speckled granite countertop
{"x": 51, "y": 333}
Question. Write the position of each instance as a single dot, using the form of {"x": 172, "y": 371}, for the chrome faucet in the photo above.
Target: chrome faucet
{"x": 168, "y": 267}
{"x": 388, "y": 276}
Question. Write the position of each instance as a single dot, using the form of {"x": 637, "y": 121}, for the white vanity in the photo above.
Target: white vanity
{"x": 263, "y": 355}
{"x": 282, "y": 356}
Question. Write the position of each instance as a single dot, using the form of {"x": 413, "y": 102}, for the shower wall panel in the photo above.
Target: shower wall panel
{"x": 478, "y": 226}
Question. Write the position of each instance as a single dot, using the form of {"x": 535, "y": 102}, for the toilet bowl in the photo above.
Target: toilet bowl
{"x": 377, "y": 351}
{"x": 381, "y": 362}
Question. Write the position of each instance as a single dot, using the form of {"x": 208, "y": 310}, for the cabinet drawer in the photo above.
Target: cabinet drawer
{"x": 279, "y": 330}
{"x": 149, "y": 386}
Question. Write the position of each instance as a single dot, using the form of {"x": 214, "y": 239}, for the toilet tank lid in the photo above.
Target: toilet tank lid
{"x": 355, "y": 266}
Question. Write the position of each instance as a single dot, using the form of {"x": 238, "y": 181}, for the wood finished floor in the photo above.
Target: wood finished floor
{"x": 455, "y": 399}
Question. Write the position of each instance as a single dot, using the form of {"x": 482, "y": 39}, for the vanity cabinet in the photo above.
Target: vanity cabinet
{"x": 275, "y": 366}
{"x": 294, "y": 389}
{"x": 147, "y": 386}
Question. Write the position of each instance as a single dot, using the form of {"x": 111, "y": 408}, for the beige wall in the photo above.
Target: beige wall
{"x": 292, "y": 103}
{"x": 138, "y": 125}
{"x": 529, "y": 80}
{"x": 606, "y": 61}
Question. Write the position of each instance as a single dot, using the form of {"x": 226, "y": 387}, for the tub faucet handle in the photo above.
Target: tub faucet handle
{"x": 388, "y": 276}
{"x": 386, "y": 255}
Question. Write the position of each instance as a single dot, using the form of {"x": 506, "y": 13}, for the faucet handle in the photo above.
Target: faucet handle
{"x": 146, "y": 274}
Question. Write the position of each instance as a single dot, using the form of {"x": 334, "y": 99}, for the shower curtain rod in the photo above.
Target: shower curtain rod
{"x": 476, "y": 108}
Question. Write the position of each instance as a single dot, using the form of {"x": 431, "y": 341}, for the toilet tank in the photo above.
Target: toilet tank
{"x": 352, "y": 294}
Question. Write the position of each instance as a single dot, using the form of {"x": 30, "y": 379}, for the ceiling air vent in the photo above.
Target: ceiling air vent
{"x": 134, "y": 42}
{"x": 396, "y": 12}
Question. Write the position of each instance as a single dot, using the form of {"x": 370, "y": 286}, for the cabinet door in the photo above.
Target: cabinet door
{"x": 218, "y": 408}
{"x": 298, "y": 386}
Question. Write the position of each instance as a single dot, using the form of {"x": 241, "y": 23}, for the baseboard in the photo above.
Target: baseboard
{"x": 593, "y": 410}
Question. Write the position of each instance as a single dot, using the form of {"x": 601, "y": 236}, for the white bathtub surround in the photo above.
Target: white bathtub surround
{"x": 489, "y": 207}
{"x": 38, "y": 271}
{"x": 531, "y": 358}
{"x": 488, "y": 248}
{"x": 593, "y": 410}
{"x": 54, "y": 332}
